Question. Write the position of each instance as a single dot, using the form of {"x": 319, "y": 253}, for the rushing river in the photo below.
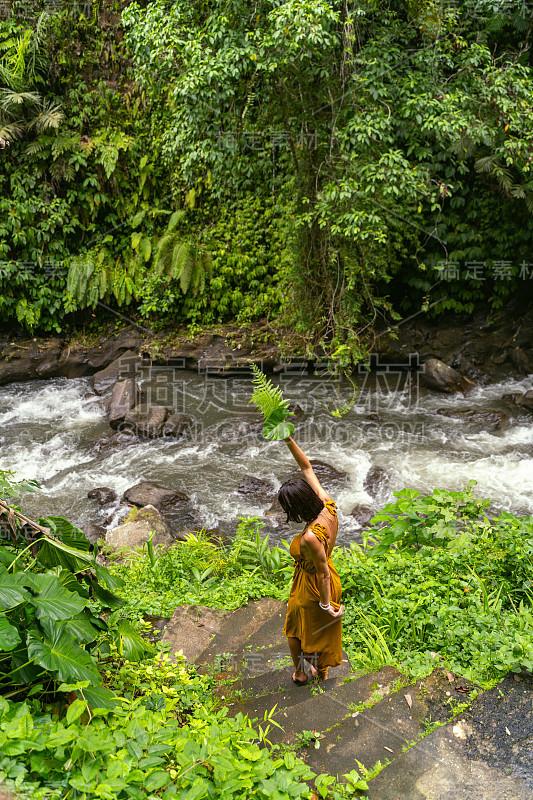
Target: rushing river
{"x": 49, "y": 430}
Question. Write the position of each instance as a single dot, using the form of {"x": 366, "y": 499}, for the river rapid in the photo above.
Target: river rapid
{"x": 49, "y": 430}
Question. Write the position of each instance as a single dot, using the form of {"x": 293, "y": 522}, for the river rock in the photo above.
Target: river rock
{"x": 119, "y": 440}
{"x": 94, "y": 532}
{"x": 489, "y": 418}
{"x": 146, "y": 420}
{"x": 376, "y": 481}
{"x": 325, "y": 473}
{"x": 513, "y": 398}
{"x": 362, "y": 514}
{"x": 123, "y": 399}
{"x": 180, "y": 425}
{"x": 257, "y": 489}
{"x": 526, "y": 401}
{"x": 167, "y": 501}
{"x": 138, "y": 531}
{"x": 521, "y": 360}
{"x": 438, "y": 375}
{"x": 127, "y": 365}
{"x": 103, "y": 495}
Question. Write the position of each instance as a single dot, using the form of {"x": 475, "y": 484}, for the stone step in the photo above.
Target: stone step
{"x": 235, "y": 630}
{"x": 255, "y": 696}
{"x": 379, "y": 733}
{"x": 191, "y": 628}
{"x": 320, "y": 711}
{"x": 486, "y": 753}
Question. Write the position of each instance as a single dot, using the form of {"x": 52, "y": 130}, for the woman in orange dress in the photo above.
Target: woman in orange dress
{"x": 313, "y": 622}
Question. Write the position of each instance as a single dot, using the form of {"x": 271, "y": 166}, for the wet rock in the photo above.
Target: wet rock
{"x": 513, "y": 398}
{"x": 362, "y": 514}
{"x": 490, "y": 418}
{"x": 298, "y": 412}
{"x": 123, "y": 399}
{"x": 521, "y": 399}
{"x": 179, "y": 425}
{"x": 146, "y": 420}
{"x": 103, "y": 495}
{"x": 376, "y": 481}
{"x": 26, "y": 359}
{"x": 167, "y": 501}
{"x": 138, "y": 530}
{"x": 521, "y": 360}
{"x": 438, "y": 375}
{"x": 257, "y": 489}
{"x": 94, "y": 532}
{"x": 326, "y": 474}
{"x": 119, "y": 440}
{"x": 127, "y": 365}
{"x": 526, "y": 401}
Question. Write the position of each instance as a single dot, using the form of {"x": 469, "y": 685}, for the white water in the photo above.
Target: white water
{"x": 48, "y": 430}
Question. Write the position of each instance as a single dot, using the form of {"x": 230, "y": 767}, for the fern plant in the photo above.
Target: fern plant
{"x": 181, "y": 258}
{"x": 272, "y": 405}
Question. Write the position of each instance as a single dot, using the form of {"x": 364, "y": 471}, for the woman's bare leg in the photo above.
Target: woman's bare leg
{"x": 295, "y": 646}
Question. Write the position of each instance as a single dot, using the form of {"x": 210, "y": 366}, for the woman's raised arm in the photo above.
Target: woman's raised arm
{"x": 307, "y": 470}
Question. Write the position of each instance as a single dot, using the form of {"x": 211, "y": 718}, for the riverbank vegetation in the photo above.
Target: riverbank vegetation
{"x": 92, "y": 705}
{"x": 318, "y": 164}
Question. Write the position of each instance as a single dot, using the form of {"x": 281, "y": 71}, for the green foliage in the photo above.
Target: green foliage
{"x": 272, "y": 405}
{"x": 387, "y": 161}
{"x": 52, "y": 591}
{"x": 182, "y": 259}
{"x": 466, "y": 604}
{"x": 164, "y": 740}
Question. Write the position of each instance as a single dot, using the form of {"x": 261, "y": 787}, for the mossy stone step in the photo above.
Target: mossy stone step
{"x": 263, "y": 682}
{"x": 319, "y": 712}
{"x": 486, "y": 753}
{"x": 237, "y": 627}
{"x": 379, "y": 733}
{"x": 191, "y": 628}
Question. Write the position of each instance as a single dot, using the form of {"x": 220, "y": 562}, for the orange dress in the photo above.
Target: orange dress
{"x": 316, "y": 629}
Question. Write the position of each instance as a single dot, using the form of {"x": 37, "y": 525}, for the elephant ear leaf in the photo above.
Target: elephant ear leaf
{"x": 130, "y": 644}
{"x": 9, "y": 635}
{"x": 276, "y": 426}
{"x": 59, "y": 654}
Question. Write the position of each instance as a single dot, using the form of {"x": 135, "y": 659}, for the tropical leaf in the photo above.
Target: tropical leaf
{"x": 53, "y": 601}
{"x": 276, "y": 427}
{"x": 131, "y": 645}
{"x": 67, "y": 532}
{"x": 57, "y": 652}
{"x": 12, "y": 591}
{"x": 54, "y": 553}
{"x": 9, "y": 635}
{"x": 100, "y": 697}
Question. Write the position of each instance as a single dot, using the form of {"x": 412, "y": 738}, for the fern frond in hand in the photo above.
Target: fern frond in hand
{"x": 272, "y": 405}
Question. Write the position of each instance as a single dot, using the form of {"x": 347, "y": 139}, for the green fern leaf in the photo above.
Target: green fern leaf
{"x": 266, "y": 396}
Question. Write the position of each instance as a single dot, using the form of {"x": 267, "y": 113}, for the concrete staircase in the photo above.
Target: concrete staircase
{"x": 408, "y": 739}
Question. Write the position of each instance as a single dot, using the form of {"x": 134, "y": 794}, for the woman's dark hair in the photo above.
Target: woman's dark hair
{"x": 299, "y": 501}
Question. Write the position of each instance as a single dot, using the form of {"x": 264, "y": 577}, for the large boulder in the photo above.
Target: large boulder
{"x": 28, "y": 359}
{"x": 437, "y": 375}
{"x": 123, "y": 399}
{"x": 376, "y": 482}
{"x": 127, "y": 365}
{"x": 103, "y": 495}
{"x": 146, "y": 420}
{"x": 488, "y": 418}
{"x": 138, "y": 530}
{"x": 167, "y": 501}
{"x": 257, "y": 489}
{"x": 179, "y": 425}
